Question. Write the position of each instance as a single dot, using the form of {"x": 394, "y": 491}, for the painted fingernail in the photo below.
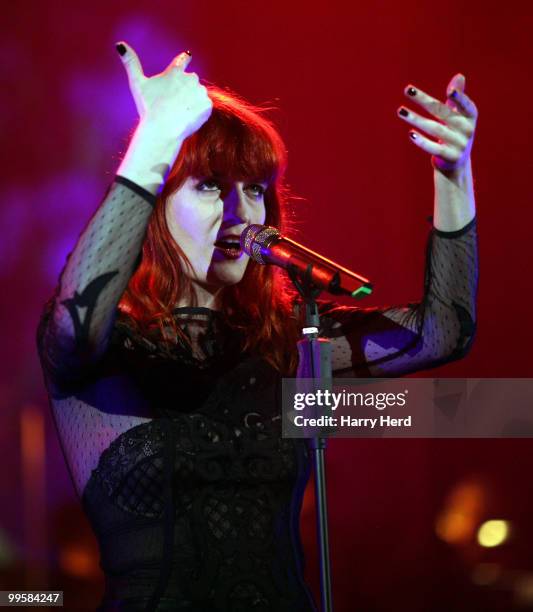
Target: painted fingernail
{"x": 413, "y": 135}
{"x": 403, "y": 112}
{"x": 188, "y": 53}
{"x": 120, "y": 48}
{"x": 411, "y": 91}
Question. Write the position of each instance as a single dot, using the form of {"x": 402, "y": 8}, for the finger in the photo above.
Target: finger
{"x": 463, "y": 103}
{"x": 181, "y": 61}
{"x": 458, "y": 81}
{"x": 433, "y": 128}
{"x": 431, "y": 105}
{"x": 439, "y": 149}
{"x": 131, "y": 62}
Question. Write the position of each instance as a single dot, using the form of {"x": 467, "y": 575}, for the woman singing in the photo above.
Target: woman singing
{"x": 163, "y": 346}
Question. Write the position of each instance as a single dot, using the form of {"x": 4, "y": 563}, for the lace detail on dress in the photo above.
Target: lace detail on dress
{"x": 131, "y": 469}
{"x": 207, "y": 335}
{"x": 232, "y": 483}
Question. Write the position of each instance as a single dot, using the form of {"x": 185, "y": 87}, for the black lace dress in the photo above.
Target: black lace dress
{"x": 176, "y": 451}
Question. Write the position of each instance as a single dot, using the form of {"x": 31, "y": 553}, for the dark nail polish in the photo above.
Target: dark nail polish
{"x": 411, "y": 91}
{"x": 188, "y": 52}
{"x": 403, "y": 112}
{"x": 121, "y": 49}
{"x": 413, "y": 135}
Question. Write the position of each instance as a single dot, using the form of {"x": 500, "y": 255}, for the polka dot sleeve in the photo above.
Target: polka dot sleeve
{"x": 397, "y": 340}
{"x": 77, "y": 321}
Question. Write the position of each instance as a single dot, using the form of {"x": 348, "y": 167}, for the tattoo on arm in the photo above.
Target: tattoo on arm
{"x": 86, "y": 301}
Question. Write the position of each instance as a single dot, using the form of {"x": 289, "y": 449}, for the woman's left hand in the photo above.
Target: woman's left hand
{"x": 454, "y": 126}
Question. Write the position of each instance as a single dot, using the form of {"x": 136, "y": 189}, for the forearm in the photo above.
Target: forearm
{"x": 454, "y": 204}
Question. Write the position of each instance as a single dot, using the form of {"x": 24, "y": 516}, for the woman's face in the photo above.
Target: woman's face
{"x": 206, "y": 218}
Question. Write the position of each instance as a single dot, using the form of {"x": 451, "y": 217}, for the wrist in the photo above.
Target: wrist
{"x": 454, "y": 204}
{"x": 154, "y": 133}
{"x": 150, "y": 155}
{"x": 155, "y": 142}
{"x": 460, "y": 176}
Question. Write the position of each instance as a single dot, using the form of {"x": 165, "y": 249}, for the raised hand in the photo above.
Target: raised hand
{"x": 172, "y": 105}
{"x": 453, "y": 128}
{"x": 174, "y": 101}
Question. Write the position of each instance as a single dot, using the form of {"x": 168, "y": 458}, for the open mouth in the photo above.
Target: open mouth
{"x": 230, "y": 247}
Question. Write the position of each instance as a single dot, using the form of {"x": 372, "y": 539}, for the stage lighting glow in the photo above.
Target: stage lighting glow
{"x": 493, "y": 533}
{"x": 485, "y": 574}
{"x": 523, "y": 590}
{"x": 78, "y": 561}
{"x": 457, "y": 522}
{"x": 453, "y": 527}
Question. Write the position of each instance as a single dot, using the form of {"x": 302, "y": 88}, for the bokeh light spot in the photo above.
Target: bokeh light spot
{"x": 493, "y": 533}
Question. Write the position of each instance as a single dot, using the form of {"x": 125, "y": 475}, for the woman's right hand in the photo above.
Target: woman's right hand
{"x": 173, "y": 103}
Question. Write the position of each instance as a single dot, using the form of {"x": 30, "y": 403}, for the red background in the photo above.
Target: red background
{"x": 336, "y": 72}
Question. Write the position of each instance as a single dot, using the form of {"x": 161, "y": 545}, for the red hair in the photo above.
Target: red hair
{"x": 237, "y": 142}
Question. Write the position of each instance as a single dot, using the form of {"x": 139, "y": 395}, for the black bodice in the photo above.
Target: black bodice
{"x": 204, "y": 500}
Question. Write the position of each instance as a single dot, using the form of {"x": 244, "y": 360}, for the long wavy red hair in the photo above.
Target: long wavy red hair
{"x": 238, "y": 142}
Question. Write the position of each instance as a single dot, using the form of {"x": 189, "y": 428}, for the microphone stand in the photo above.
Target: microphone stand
{"x": 266, "y": 245}
{"x": 315, "y": 363}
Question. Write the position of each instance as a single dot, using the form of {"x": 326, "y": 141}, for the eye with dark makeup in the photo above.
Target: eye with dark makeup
{"x": 208, "y": 185}
{"x": 257, "y": 189}
{"x": 211, "y": 185}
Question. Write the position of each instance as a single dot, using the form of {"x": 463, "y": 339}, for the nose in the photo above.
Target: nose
{"x": 236, "y": 208}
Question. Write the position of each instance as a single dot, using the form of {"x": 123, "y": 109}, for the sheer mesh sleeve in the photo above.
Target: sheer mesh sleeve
{"x": 78, "y": 320}
{"x": 399, "y": 340}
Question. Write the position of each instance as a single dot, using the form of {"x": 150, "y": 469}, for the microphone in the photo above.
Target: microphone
{"x": 265, "y": 245}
